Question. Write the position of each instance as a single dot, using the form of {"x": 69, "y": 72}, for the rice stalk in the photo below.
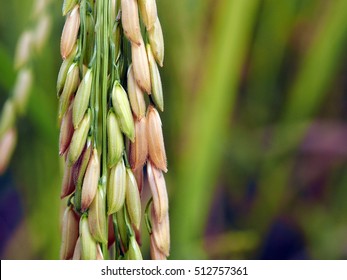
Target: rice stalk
{"x": 110, "y": 128}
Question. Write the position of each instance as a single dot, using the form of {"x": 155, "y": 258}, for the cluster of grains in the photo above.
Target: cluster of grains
{"x": 109, "y": 89}
{"x": 29, "y": 44}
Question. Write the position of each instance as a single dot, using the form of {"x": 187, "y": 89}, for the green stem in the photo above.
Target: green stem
{"x": 83, "y": 13}
{"x": 112, "y": 47}
{"x": 207, "y": 124}
{"x": 101, "y": 65}
{"x": 97, "y": 70}
{"x": 104, "y": 86}
{"x": 305, "y": 97}
{"x": 105, "y": 22}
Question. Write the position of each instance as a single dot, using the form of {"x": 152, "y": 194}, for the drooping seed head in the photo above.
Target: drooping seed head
{"x": 79, "y": 138}
{"x": 140, "y": 66}
{"x": 122, "y": 108}
{"x": 23, "y": 49}
{"x": 136, "y": 97}
{"x": 134, "y": 252}
{"x": 116, "y": 188}
{"x": 81, "y": 101}
{"x": 130, "y": 21}
{"x": 67, "y": 186}
{"x": 66, "y": 131}
{"x": 114, "y": 140}
{"x": 68, "y": 5}
{"x": 70, "y": 87}
{"x": 70, "y": 31}
{"x": 156, "y": 254}
{"x": 156, "y": 148}
{"x": 139, "y": 148}
{"x": 90, "y": 181}
{"x": 156, "y": 39}
{"x": 69, "y": 234}
{"x": 157, "y": 89}
{"x": 97, "y": 216}
{"x": 41, "y": 32}
{"x": 88, "y": 244}
{"x": 132, "y": 198}
{"x": 7, "y": 144}
{"x": 39, "y": 7}
{"x": 8, "y": 117}
{"x": 22, "y": 89}
{"x": 159, "y": 193}
{"x": 161, "y": 232}
{"x": 148, "y": 10}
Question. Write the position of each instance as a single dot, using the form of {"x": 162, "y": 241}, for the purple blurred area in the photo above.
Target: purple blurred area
{"x": 321, "y": 153}
{"x": 11, "y": 211}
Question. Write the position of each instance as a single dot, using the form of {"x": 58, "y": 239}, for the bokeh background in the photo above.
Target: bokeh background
{"x": 255, "y": 126}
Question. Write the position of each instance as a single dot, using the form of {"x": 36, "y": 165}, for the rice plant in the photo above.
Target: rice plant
{"x": 254, "y": 129}
{"x": 108, "y": 76}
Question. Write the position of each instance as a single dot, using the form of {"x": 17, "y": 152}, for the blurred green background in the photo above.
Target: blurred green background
{"x": 255, "y": 130}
